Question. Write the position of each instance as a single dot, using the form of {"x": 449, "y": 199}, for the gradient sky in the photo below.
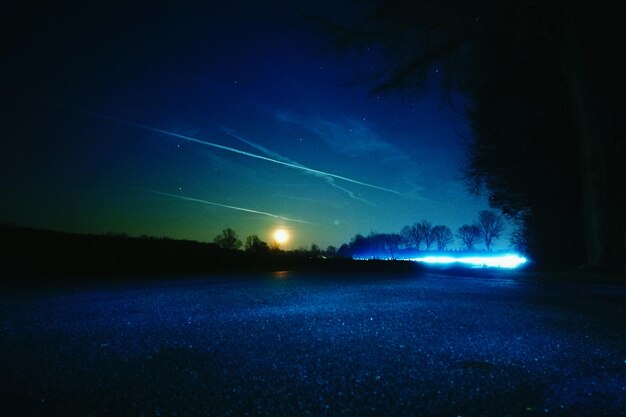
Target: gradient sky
{"x": 167, "y": 121}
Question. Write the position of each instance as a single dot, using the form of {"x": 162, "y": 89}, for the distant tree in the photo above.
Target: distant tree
{"x": 374, "y": 245}
{"x": 227, "y": 239}
{"x": 360, "y": 245}
{"x": 408, "y": 237}
{"x": 344, "y": 251}
{"x": 442, "y": 236}
{"x": 251, "y": 242}
{"x": 274, "y": 246}
{"x": 390, "y": 242}
{"x": 413, "y": 236}
{"x": 490, "y": 225}
{"x": 469, "y": 234}
{"x": 255, "y": 245}
{"x": 424, "y": 230}
{"x": 315, "y": 251}
{"x": 331, "y": 251}
{"x": 375, "y": 242}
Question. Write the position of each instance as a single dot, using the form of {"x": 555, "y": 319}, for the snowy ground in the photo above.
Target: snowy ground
{"x": 293, "y": 344}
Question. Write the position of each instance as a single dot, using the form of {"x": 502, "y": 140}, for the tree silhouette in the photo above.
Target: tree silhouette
{"x": 274, "y": 246}
{"x": 408, "y": 238}
{"x": 389, "y": 242}
{"x": 442, "y": 236}
{"x": 227, "y": 239}
{"x": 375, "y": 243}
{"x": 469, "y": 234}
{"x": 424, "y": 229}
{"x": 344, "y": 251}
{"x": 255, "y": 245}
{"x": 414, "y": 235}
{"x": 490, "y": 225}
{"x": 315, "y": 251}
{"x": 359, "y": 245}
{"x": 547, "y": 130}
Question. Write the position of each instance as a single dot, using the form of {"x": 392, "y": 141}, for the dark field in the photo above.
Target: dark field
{"x": 298, "y": 344}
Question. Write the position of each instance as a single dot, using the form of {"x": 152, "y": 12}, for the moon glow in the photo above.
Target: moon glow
{"x": 280, "y": 236}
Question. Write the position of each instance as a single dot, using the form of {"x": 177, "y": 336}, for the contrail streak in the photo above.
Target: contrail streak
{"x": 197, "y": 200}
{"x": 229, "y": 149}
{"x": 275, "y": 155}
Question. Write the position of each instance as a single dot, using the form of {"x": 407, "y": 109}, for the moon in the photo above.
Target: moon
{"x": 280, "y": 236}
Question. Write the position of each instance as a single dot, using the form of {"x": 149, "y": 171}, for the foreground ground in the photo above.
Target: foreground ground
{"x": 298, "y": 344}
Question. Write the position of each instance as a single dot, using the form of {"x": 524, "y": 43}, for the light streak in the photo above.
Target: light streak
{"x": 211, "y": 203}
{"x": 278, "y": 156}
{"x": 229, "y": 149}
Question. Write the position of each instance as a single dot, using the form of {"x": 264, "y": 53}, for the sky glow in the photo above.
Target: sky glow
{"x": 237, "y": 112}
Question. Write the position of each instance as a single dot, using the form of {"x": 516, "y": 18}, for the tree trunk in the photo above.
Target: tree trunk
{"x": 592, "y": 158}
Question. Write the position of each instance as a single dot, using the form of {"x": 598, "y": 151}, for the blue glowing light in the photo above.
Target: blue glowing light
{"x": 467, "y": 259}
{"x": 509, "y": 261}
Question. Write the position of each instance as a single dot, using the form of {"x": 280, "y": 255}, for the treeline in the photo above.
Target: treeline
{"x": 44, "y": 254}
{"x": 422, "y": 235}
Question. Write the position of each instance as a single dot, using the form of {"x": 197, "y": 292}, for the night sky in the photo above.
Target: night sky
{"x": 183, "y": 120}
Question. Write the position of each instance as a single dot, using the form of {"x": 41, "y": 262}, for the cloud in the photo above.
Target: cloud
{"x": 346, "y": 135}
{"x": 352, "y": 137}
